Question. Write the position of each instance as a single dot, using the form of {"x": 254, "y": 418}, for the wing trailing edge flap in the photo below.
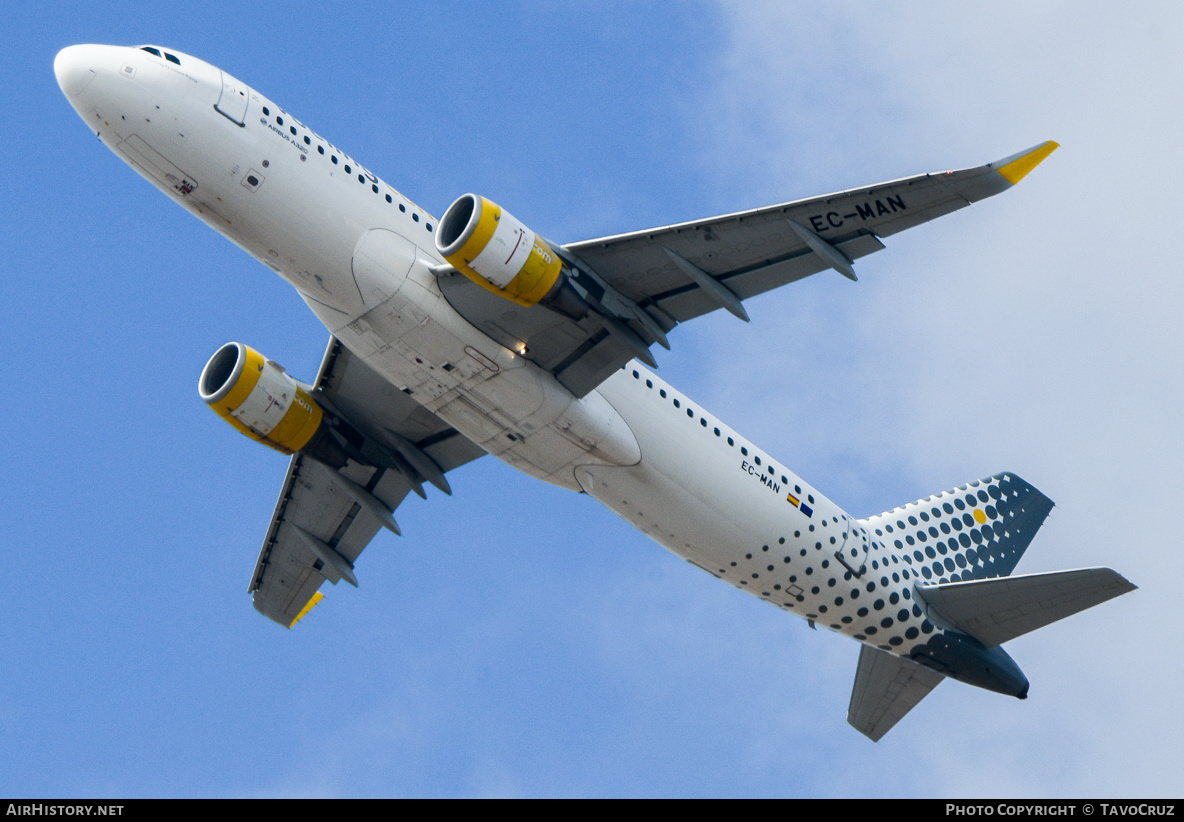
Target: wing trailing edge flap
{"x": 996, "y": 610}
{"x": 886, "y": 688}
{"x": 324, "y": 517}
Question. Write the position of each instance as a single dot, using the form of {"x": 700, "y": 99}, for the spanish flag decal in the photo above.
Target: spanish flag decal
{"x": 797, "y": 503}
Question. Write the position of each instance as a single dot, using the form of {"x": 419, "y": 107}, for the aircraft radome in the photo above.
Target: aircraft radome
{"x": 501, "y": 342}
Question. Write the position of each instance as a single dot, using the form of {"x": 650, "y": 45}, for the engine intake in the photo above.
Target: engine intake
{"x": 492, "y": 248}
{"x": 257, "y": 397}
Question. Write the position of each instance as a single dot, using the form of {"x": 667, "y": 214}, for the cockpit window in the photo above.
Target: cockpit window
{"x": 171, "y": 58}
{"x": 150, "y": 50}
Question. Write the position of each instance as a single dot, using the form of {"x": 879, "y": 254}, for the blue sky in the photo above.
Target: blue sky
{"x": 520, "y": 640}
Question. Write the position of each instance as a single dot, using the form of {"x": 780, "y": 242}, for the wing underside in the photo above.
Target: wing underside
{"x": 644, "y": 283}
{"x": 325, "y": 518}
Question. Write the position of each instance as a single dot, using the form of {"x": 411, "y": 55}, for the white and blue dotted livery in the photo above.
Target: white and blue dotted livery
{"x": 431, "y": 364}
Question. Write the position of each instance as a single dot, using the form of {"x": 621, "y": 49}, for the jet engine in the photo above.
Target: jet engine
{"x": 256, "y": 396}
{"x": 492, "y": 248}
{"x": 488, "y": 245}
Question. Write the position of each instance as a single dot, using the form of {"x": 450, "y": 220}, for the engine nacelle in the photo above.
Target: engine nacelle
{"x": 257, "y": 397}
{"x": 493, "y": 249}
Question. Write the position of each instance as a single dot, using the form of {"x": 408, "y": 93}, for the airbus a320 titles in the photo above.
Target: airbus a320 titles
{"x": 471, "y": 334}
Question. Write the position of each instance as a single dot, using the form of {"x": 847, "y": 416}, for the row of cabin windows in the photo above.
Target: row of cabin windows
{"x": 348, "y": 170}
{"x": 158, "y": 53}
{"x": 797, "y": 489}
{"x": 307, "y": 141}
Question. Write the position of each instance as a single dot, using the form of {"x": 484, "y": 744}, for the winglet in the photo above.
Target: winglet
{"x": 317, "y": 597}
{"x": 1014, "y": 168}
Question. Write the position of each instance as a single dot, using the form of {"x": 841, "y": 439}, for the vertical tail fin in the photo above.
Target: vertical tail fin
{"x": 976, "y": 531}
{"x": 965, "y": 543}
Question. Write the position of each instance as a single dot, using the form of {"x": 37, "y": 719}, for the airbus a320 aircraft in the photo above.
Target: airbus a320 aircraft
{"x": 470, "y": 334}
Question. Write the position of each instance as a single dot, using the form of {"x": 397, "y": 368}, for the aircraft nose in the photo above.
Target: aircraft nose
{"x": 75, "y": 69}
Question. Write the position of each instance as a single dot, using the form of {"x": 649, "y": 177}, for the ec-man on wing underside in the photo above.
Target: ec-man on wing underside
{"x": 319, "y": 527}
{"x": 676, "y": 273}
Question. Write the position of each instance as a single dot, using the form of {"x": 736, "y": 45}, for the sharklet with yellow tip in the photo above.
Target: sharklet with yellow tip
{"x": 1016, "y": 167}
{"x": 313, "y": 600}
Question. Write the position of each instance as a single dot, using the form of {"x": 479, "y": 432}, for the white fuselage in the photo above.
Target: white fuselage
{"x": 358, "y": 253}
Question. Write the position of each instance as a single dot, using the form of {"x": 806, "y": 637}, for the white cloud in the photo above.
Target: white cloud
{"x": 1037, "y": 332}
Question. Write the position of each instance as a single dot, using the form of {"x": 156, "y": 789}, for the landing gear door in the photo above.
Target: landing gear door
{"x": 233, "y": 102}
{"x": 853, "y": 552}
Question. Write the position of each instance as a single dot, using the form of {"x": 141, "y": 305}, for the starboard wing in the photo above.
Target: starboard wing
{"x": 678, "y": 272}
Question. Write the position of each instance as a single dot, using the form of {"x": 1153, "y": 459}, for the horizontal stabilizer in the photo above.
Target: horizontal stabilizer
{"x": 996, "y": 610}
{"x": 886, "y": 688}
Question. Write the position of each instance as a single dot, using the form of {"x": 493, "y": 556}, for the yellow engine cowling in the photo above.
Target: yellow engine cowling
{"x": 257, "y": 397}
{"x": 493, "y": 249}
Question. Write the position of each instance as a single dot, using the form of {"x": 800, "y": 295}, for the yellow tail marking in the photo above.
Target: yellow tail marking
{"x": 1016, "y": 170}
{"x": 317, "y": 597}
